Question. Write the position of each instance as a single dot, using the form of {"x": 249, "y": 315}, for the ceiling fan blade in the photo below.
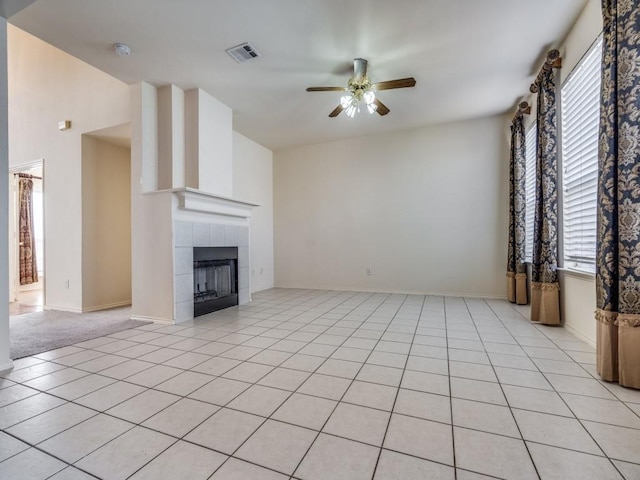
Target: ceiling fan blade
{"x": 382, "y": 108}
{"x": 326, "y": 89}
{"x": 359, "y": 69}
{"x": 336, "y": 111}
{"x": 400, "y": 83}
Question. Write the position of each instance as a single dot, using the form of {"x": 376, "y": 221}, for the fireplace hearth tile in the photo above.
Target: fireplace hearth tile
{"x": 231, "y": 233}
{"x": 243, "y": 256}
{"x": 183, "y": 260}
{"x": 201, "y": 237}
{"x": 243, "y": 237}
{"x": 184, "y": 311}
{"x": 184, "y": 287}
{"x": 243, "y": 283}
{"x": 217, "y": 235}
{"x": 183, "y": 234}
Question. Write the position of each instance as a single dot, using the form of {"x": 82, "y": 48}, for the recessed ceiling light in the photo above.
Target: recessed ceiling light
{"x": 122, "y": 48}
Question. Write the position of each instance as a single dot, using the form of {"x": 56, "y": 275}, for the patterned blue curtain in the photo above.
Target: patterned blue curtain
{"x": 618, "y": 238}
{"x": 545, "y": 289}
{"x": 516, "y": 268}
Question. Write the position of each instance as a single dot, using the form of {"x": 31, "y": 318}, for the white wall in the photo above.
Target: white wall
{"x": 253, "y": 182}
{"x": 46, "y": 86}
{"x": 151, "y": 223}
{"x": 425, "y": 209}
{"x": 106, "y": 224}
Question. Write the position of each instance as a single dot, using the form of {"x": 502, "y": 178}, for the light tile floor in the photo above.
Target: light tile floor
{"x": 309, "y": 384}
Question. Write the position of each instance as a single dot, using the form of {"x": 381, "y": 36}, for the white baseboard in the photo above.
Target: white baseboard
{"x": 6, "y": 366}
{"x": 62, "y": 309}
{"x": 162, "y": 321}
{"x": 262, "y": 289}
{"x": 394, "y": 292}
{"x": 580, "y": 335}
{"x": 106, "y": 306}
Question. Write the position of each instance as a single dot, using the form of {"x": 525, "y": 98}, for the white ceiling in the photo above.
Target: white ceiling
{"x": 470, "y": 58}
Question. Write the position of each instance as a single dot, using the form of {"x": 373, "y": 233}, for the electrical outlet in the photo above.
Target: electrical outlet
{"x": 68, "y": 283}
{"x": 369, "y": 272}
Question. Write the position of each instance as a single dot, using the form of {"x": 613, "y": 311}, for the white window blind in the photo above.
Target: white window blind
{"x": 530, "y": 182}
{"x": 580, "y": 110}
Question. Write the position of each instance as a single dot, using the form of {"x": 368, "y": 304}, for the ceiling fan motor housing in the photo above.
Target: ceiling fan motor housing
{"x": 358, "y": 87}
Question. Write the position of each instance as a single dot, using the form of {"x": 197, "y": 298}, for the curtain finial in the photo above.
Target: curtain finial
{"x": 523, "y": 109}
{"x": 553, "y": 60}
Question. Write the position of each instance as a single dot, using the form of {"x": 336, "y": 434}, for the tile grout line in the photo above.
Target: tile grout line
{"x": 575, "y": 417}
{"x": 446, "y": 338}
{"x": 347, "y": 389}
{"x": 351, "y": 382}
{"x": 500, "y": 384}
{"x": 134, "y": 424}
{"x": 276, "y": 366}
{"x": 395, "y": 399}
{"x": 290, "y": 395}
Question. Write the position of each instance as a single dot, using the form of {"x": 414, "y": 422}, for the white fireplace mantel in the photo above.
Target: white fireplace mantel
{"x": 190, "y": 199}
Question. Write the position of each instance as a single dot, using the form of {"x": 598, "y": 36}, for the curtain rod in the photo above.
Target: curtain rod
{"x": 26, "y": 175}
{"x": 523, "y": 109}
{"x": 554, "y": 60}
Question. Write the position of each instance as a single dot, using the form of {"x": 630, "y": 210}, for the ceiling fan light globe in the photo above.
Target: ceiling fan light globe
{"x": 346, "y": 100}
{"x": 369, "y": 97}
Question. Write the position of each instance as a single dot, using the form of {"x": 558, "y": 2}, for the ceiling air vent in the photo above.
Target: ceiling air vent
{"x": 243, "y": 52}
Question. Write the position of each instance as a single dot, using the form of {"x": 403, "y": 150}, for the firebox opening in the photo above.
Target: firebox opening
{"x": 215, "y": 279}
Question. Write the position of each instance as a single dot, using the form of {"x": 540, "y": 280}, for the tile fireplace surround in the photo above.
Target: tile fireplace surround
{"x": 205, "y": 220}
{"x": 198, "y": 234}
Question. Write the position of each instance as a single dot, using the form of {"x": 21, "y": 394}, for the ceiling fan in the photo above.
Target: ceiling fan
{"x": 360, "y": 88}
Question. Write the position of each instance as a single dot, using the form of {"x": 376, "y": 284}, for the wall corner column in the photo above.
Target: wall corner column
{"x": 5, "y": 342}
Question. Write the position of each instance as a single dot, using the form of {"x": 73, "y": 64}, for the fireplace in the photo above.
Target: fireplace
{"x": 215, "y": 279}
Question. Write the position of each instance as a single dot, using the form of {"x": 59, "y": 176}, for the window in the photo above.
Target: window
{"x": 530, "y": 189}
{"x": 580, "y": 110}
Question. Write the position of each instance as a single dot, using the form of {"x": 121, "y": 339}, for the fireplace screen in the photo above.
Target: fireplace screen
{"x": 215, "y": 279}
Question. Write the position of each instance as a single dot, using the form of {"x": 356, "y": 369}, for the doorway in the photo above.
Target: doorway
{"x": 26, "y": 239}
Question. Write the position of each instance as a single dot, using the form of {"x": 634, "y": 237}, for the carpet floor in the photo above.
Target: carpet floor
{"x": 39, "y": 332}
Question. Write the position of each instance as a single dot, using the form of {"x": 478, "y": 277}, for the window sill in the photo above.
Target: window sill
{"x": 569, "y": 272}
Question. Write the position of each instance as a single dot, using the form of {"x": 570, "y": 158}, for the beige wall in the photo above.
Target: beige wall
{"x": 253, "y": 182}
{"x": 424, "y": 209}
{"x": 578, "y": 303}
{"x": 106, "y": 224}
{"x": 46, "y": 86}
